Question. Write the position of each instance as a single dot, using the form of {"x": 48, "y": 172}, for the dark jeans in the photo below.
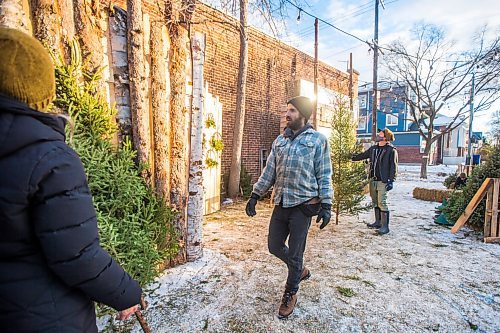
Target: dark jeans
{"x": 291, "y": 223}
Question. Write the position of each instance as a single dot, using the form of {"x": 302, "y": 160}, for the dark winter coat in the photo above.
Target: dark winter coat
{"x": 387, "y": 163}
{"x": 51, "y": 263}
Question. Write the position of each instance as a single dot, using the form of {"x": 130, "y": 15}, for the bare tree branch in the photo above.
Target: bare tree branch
{"x": 434, "y": 81}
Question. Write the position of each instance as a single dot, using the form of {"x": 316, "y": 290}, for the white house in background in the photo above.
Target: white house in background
{"x": 452, "y": 147}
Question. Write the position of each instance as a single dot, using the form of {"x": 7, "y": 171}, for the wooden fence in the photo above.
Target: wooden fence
{"x": 491, "y": 189}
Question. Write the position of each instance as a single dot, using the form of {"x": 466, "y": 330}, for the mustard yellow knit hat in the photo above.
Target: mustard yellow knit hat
{"x": 26, "y": 70}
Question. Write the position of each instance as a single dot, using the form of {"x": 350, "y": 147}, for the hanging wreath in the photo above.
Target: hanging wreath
{"x": 210, "y": 122}
{"x": 216, "y": 142}
{"x": 211, "y": 161}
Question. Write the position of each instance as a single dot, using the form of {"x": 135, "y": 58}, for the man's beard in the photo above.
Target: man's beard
{"x": 296, "y": 124}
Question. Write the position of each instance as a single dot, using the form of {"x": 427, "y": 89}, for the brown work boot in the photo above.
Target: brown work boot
{"x": 306, "y": 274}
{"x": 287, "y": 304}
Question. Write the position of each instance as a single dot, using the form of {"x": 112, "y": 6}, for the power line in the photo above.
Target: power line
{"x": 327, "y": 23}
{"x": 349, "y": 13}
{"x": 308, "y": 31}
{"x": 371, "y": 45}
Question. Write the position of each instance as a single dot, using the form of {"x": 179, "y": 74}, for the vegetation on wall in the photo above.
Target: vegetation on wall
{"x": 135, "y": 226}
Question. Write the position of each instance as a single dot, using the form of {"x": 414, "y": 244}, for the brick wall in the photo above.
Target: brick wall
{"x": 273, "y": 70}
{"x": 409, "y": 154}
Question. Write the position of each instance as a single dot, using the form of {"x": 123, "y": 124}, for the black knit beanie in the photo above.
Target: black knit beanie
{"x": 26, "y": 70}
{"x": 303, "y": 105}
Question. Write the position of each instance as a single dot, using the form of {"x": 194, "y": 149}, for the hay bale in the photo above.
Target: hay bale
{"x": 428, "y": 194}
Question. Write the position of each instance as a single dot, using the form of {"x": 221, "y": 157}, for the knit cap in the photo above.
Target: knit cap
{"x": 303, "y": 105}
{"x": 388, "y": 134}
{"x": 26, "y": 70}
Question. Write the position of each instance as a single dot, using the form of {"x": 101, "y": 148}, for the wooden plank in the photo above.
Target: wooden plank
{"x": 472, "y": 205}
{"x": 492, "y": 240}
{"x": 494, "y": 208}
{"x": 487, "y": 213}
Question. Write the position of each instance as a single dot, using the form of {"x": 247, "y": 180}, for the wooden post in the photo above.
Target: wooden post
{"x": 494, "y": 231}
{"x": 315, "y": 110}
{"x": 160, "y": 102}
{"x": 351, "y": 93}
{"x": 195, "y": 202}
{"x": 472, "y": 205}
{"x": 139, "y": 108}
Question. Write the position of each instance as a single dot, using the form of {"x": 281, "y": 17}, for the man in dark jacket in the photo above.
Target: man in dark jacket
{"x": 383, "y": 169}
{"x": 52, "y": 266}
{"x": 300, "y": 170}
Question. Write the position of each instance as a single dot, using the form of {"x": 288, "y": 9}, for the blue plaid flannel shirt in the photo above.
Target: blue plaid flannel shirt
{"x": 299, "y": 170}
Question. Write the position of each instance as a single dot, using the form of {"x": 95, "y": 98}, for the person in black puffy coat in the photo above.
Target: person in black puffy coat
{"x": 52, "y": 267}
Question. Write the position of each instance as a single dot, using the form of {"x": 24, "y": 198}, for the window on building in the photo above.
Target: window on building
{"x": 391, "y": 120}
{"x": 362, "y": 101}
{"x": 361, "y": 122}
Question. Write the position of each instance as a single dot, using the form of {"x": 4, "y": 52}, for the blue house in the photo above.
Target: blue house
{"x": 393, "y": 113}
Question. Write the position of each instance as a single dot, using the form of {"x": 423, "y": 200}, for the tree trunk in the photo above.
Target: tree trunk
{"x": 425, "y": 160}
{"x": 47, "y": 24}
{"x": 179, "y": 135}
{"x": 139, "y": 106}
{"x": 68, "y": 26}
{"x": 160, "y": 100}
{"x": 195, "y": 203}
{"x": 89, "y": 32}
{"x": 239, "y": 118}
{"x": 13, "y": 15}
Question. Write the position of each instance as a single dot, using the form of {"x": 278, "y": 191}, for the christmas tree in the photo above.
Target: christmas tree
{"x": 348, "y": 178}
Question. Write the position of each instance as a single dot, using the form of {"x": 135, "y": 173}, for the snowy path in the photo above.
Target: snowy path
{"x": 418, "y": 278}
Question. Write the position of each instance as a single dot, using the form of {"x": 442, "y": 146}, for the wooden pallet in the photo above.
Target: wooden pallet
{"x": 491, "y": 189}
{"x": 491, "y": 216}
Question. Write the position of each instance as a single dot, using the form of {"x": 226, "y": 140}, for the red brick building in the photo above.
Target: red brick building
{"x": 273, "y": 74}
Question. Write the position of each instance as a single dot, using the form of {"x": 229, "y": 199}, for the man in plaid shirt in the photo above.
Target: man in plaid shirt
{"x": 300, "y": 170}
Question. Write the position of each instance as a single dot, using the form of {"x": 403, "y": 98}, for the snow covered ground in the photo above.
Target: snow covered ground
{"x": 418, "y": 278}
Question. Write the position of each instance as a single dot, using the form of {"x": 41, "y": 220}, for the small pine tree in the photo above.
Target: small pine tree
{"x": 348, "y": 178}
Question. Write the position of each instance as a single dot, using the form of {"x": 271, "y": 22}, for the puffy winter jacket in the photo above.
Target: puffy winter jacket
{"x": 52, "y": 267}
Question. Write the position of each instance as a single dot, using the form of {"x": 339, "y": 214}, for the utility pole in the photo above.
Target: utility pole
{"x": 315, "y": 115}
{"x": 351, "y": 104}
{"x": 471, "y": 118}
{"x": 375, "y": 74}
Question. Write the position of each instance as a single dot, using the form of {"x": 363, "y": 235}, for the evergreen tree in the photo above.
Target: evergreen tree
{"x": 348, "y": 178}
{"x": 460, "y": 199}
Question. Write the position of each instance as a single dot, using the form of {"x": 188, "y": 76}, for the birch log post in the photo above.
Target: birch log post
{"x": 195, "y": 202}
{"x": 139, "y": 106}
{"x": 160, "y": 100}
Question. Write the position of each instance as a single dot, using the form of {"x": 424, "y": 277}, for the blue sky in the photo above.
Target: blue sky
{"x": 460, "y": 19}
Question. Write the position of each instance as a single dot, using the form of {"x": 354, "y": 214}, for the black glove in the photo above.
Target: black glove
{"x": 250, "y": 209}
{"x": 389, "y": 185}
{"x": 324, "y": 214}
